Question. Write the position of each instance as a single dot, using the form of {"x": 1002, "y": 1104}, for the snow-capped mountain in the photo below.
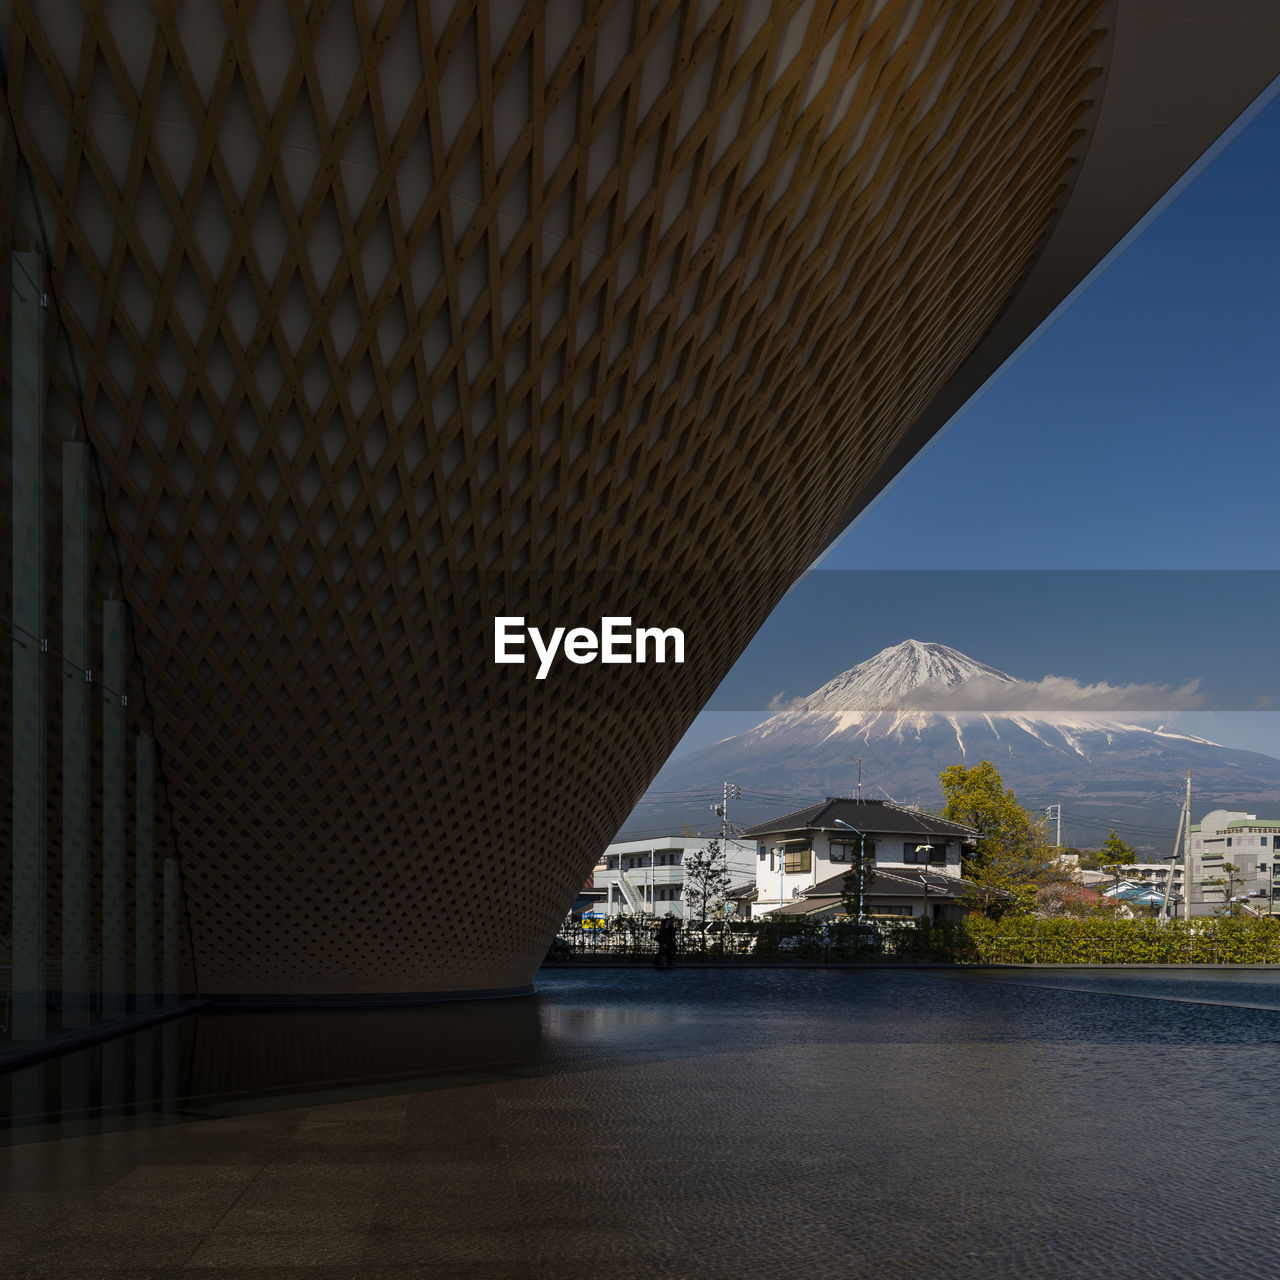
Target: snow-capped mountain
{"x": 917, "y": 707}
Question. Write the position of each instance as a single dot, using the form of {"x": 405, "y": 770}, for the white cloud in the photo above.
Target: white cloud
{"x": 780, "y": 702}
{"x": 1053, "y": 694}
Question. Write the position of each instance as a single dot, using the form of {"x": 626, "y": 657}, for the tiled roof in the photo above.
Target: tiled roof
{"x": 874, "y": 817}
{"x": 801, "y": 907}
{"x": 887, "y": 884}
{"x": 897, "y": 884}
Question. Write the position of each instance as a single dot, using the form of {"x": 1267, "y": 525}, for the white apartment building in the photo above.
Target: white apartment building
{"x": 1222, "y": 836}
{"x": 646, "y": 877}
{"x": 1243, "y": 839}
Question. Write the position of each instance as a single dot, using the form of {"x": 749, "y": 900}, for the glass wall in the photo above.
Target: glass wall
{"x": 92, "y": 924}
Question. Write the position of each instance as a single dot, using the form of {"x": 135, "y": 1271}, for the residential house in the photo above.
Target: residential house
{"x": 799, "y": 851}
{"x": 1143, "y": 875}
{"x": 916, "y": 893}
{"x": 1126, "y": 895}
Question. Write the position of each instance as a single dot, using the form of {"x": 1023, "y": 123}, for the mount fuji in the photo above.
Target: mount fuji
{"x": 916, "y": 707}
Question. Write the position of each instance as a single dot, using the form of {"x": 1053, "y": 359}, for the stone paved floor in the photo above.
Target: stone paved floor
{"x": 620, "y": 1124}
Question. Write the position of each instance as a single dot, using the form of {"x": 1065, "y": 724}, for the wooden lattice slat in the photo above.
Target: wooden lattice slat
{"x": 467, "y": 309}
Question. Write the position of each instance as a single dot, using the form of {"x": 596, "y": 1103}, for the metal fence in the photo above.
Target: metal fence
{"x": 977, "y": 940}
{"x": 629, "y": 938}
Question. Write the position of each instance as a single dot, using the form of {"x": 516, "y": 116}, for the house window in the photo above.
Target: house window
{"x": 844, "y": 852}
{"x": 762, "y": 851}
{"x": 798, "y": 861}
{"x": 915, "y": 851}
{"x": 1228, "y": 842}
{"x": 890, "y": 911}
{"x": 847, "y": 851}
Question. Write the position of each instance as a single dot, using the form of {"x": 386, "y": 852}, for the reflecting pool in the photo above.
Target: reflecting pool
{"x": 700, "y": 1123}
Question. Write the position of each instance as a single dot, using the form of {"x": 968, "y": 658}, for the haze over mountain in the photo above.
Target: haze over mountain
{"x": 916, "y": 707}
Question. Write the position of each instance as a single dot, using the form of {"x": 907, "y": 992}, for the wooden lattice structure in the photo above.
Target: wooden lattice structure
{"x": 392, "y": 317}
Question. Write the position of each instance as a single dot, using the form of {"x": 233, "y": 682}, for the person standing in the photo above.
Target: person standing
{"x": 666, "y": 943}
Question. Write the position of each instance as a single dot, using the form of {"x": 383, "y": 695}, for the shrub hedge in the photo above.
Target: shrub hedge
{"x": 975, "y": 940}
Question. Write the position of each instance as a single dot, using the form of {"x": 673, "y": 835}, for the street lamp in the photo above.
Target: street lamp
{"x": 862, "y": 870}
{"x": 926, "y": 849}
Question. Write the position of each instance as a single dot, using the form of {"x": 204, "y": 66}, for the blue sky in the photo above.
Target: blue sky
{"x": 1126, "y": 464}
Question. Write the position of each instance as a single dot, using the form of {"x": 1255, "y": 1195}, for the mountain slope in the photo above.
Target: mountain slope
{"x": 915, "y": 708}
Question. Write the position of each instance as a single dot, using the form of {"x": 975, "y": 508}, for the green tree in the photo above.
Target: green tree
{"x": 1116, "y": 853}
{"x": 1011, "y": 859}
{"x": 1113, "y": 857}
{"x": 706, "y": 884}
{"x": 1228, "y": 882}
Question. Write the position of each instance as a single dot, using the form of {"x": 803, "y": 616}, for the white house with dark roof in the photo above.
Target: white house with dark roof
{"x": 800, "y": 850}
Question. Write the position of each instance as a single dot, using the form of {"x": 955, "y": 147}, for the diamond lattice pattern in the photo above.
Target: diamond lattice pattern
{"x": 396, "y": 316}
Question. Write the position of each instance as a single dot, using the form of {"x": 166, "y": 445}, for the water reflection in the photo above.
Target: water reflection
{"x": 216, "y": 1064}
{"x": 871, "y": 1124}
{"x": 210, "y": 1064}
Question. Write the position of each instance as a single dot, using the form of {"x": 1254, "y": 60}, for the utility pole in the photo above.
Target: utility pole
{"x": 1186, "y": 858}
{"x": 1184, "y": 834}
{"x": 1053, "y": 812}
{"x": 859, "y": 760}
{"x": 731, "y": 792}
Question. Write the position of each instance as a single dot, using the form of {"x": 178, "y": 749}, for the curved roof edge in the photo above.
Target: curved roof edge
{"x": 1181, "y": 83}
